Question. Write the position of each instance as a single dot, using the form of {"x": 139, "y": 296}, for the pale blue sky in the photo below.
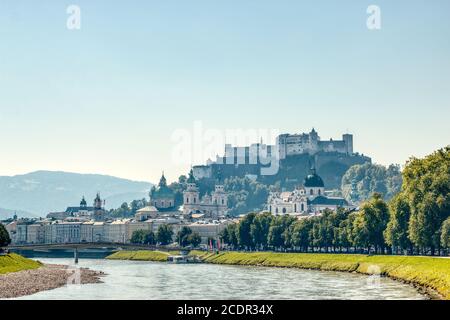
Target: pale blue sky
{"x": 106, "y": 98}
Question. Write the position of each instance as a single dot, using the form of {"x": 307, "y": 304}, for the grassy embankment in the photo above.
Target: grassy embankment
{"x": 428, "y": 273}
{"x": 141, "y": 255}
{"x": 13, "y": 262}
{"x": 431, "y": 274}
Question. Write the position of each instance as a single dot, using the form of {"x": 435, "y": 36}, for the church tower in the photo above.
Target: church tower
{"x": 97, "y": 202}
{"x": 219, "y": 197}
{"x": 191, "y": 195}
{"x": 83, "y": 203}
{"x": 99, "y": 213}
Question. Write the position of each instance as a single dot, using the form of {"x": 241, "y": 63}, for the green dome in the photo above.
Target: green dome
{"x": 313, "y": 181}
{"x": 162, "y": 191}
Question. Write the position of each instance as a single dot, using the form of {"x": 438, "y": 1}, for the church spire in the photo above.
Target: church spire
{"x": 162, "y": 181}
{"x": 191, "y": 178}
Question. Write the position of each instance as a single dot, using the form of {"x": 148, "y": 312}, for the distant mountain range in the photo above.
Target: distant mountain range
{"x": 38, "y": 193}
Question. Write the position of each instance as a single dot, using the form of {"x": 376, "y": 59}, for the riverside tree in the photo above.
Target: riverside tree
{"x": 243, "y": 231}
{"x": 426, "y": 186}
{"x": 143, "y": 237}
{"x": 4, "y": 236}
{"x": 259, "y": 229}
{"x": 194, "y": 239}
{"x": 229, "y": 235}
{"x": 183, "y": 235}
{"x": 164, "y": 234}
{"x": 396, "y": 233}
{"x": 445, "y": 234}
{"x": 371, "y": 222}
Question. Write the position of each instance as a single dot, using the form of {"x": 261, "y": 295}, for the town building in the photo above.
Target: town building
{"x": 208, "y": 230}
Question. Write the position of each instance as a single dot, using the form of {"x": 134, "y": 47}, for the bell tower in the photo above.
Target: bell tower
{"x": 191, "y": 195}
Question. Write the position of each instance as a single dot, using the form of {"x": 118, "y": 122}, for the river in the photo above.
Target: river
{"x": 155, "y": 280}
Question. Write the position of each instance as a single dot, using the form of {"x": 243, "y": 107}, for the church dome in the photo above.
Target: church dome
{"x": 162, "y": 191}
{"x": 313, "y": 180}
{"x": 83, "y": 202}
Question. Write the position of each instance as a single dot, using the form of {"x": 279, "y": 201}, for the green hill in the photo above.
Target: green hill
{"x": 13, "y": 262}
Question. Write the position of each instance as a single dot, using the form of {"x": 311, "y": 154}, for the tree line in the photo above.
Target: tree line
{"x": 164, "y": 236}
{"x": 415, "y": 221}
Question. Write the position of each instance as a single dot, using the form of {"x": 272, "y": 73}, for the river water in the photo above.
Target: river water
{"x": 156, "y": 280}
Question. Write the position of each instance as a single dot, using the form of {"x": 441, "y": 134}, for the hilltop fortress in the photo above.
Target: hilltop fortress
{"x": 294, "y": 154}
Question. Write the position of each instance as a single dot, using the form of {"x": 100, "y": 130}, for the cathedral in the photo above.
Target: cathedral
{"x": 162, "y": 201}
{"x": 211, "y": 206}
{"x": 309, "y": 199}
{"x": 96, "y": 212}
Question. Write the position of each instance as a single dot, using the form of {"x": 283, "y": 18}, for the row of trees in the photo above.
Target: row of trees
{"x": 164, "y": 236}
{"x": 415, "y": 221}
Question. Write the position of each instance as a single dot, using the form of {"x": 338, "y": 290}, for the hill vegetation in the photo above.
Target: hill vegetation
{"x": 369, "y": 179}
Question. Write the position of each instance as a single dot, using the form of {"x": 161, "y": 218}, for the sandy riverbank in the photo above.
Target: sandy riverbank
{"x": 47, "y": 277}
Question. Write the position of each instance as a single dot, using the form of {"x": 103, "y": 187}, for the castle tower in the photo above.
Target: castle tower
{"x": 191, "y": 196}
{"x": 314, "y": 141}
{"x": 348, "y": 140}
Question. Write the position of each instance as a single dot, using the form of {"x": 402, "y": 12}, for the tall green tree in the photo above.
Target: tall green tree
{"x": 164, "y": 234}
{"x": 4, "y": 236}
{"x": 396, "y": 233}
{"x": 183, "y": 235}
{"x": 194, "y": 239}
{"x": 279, "y": 233}
{"x": 259, "y": 229}
{"x": 149, "y": 237}
{"x": 137, "y": 237}
{"x": 445, "y": 234}
{"x": 427, "y": 187}
{"x": 228, "y": 235}
{"x": 243, "y": 231}
{"x": 301, "y": 234}
{"x": 371, "y": 222}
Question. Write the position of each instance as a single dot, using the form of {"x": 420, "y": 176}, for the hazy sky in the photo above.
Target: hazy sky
{"x": 108, "y": 97}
